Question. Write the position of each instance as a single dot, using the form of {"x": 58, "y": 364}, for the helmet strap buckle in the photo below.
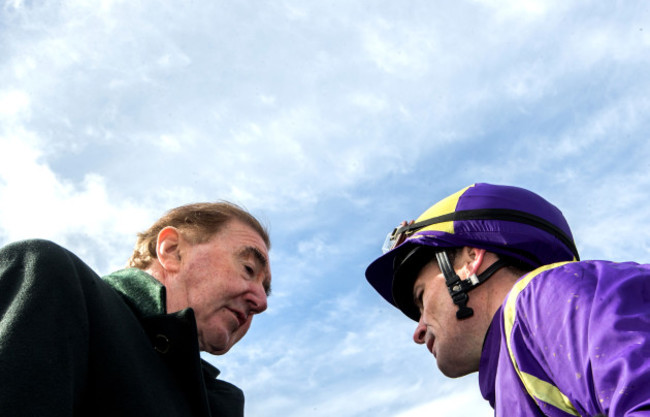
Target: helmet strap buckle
{"x": 458, "y": 288}
{"x": 464, "y": 312}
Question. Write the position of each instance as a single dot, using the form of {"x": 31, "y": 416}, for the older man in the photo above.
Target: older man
{"x": 129, "y": 344}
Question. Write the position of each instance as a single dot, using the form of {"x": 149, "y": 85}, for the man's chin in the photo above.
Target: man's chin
{"x": 453, "y": 371}
{"x": 214, "y": 347}
{"x": 219, "y": 351}
{"x": 221, "y": 342}
{"x": 221, "y": 347}
{"x": 214, "y": 350}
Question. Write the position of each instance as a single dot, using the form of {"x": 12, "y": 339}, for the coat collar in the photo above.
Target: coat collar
{"x": 144, "y": 294}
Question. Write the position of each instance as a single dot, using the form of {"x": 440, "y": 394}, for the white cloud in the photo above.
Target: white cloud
{"x": 169, "y": 143}
{"x": 173, "y": 60}
{"x": 13, "y": 104}
{"x": 609, "y": 224}
{"x": 295, "y": 10}
{"x": 462, "y": 403}
{"x": 267, "y": 99}
{"x": 529, "y": 82}
{"x": 369, "y": 102}
{"x": 522, "y": 9}
{"x": 37, "y": 203}
{"x": 16, "y": 4}
{"x": 397, "y": 49}
{"x": 317, "y": 247}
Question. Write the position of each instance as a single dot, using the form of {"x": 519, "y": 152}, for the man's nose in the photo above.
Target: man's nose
{"x": 420, "y": 332}
{"x": 258, "y": 299}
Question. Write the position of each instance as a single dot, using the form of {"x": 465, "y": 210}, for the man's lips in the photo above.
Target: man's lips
{"x": 241, "y": 317}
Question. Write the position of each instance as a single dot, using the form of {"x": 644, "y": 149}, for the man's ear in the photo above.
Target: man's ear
{"x": 472, "y": 260}
{"x": 168, "y": 249}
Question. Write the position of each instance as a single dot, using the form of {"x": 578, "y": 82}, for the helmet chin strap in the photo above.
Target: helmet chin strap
{"x": 459, "y": 288}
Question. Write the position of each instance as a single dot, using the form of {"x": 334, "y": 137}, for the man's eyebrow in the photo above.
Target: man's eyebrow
{"x": 261, "y": 260}
{"x": 256, "y": 253}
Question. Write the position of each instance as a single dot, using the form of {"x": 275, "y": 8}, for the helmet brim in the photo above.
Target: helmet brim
{"x": 381, "y": 272}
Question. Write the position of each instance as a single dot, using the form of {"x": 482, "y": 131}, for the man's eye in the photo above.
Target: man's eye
{"x": 249, "y": 269}
{"x": 417, "y": 299}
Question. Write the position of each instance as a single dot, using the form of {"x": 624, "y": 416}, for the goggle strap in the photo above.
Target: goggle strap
{"x": 495, "y": 214}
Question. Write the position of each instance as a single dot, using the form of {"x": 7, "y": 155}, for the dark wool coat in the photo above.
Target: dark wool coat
{"x": 72, "y": 344}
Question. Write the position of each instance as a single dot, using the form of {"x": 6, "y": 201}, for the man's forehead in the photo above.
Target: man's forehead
{"x": 240, "y": 231}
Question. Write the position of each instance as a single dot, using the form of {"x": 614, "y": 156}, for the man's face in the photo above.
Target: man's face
{"x": 226, "y": 281}
{"x": 452, "y": 342}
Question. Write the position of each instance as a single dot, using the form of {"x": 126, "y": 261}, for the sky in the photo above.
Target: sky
{"x": 331, "y": 121}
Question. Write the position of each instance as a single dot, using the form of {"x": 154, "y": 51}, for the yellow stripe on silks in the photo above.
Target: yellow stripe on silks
{"x": 548, "y": 393}
{"x": 442, "y": 207}
{"x": 536, "y": 388}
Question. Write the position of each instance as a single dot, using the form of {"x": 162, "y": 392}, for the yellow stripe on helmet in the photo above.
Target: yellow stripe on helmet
{"x": 445, "y": 206}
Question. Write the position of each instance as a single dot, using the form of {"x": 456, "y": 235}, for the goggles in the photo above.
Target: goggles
{"x": 400, "y": 234}
{"x": 406, "y": 230}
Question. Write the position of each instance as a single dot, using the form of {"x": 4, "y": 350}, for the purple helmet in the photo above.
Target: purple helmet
{"x": 509, "y": 221}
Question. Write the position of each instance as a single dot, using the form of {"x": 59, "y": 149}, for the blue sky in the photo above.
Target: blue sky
{"x": 331, "y": 121}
